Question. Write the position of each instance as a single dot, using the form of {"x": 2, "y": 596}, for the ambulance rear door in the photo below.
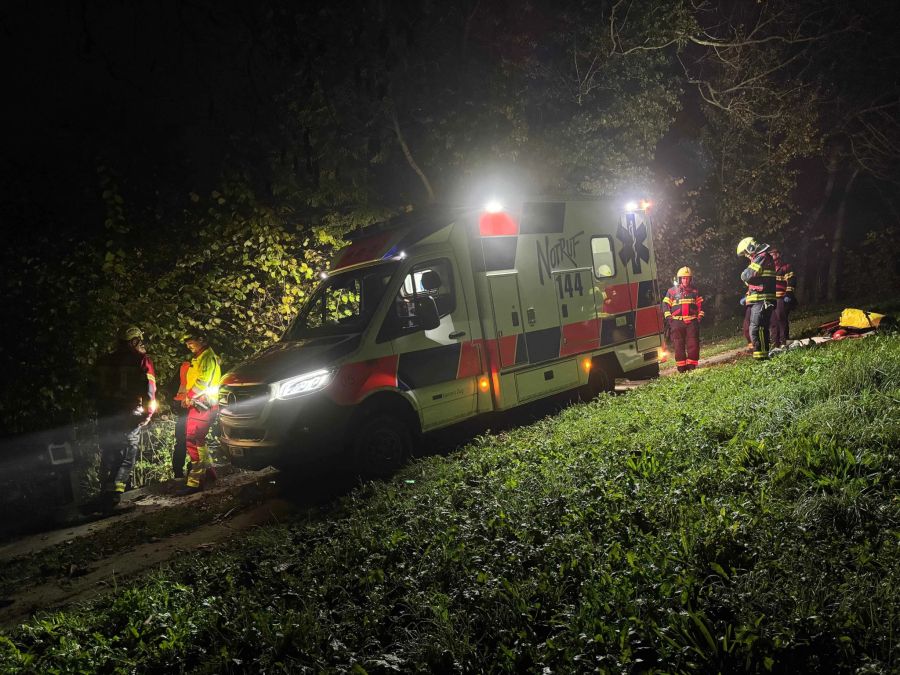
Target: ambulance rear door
{"x": 635, "y": 245}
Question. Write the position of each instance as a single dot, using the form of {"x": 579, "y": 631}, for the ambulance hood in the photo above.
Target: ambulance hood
{"x": 287, "y": 359}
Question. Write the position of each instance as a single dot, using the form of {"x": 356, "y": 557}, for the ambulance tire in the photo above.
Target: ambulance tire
{"x": 599, "y": 382}
{"x": 381, "y": 444}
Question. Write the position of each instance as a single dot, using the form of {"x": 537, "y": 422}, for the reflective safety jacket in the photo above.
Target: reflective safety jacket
{"x": 760, "y": 277}
{"x": 126, "y": 379}
{"x": 683, "y": 303}
{"x": 784, "y": 278}
{"x": 203, "y": 377}
{"x": 182, "y": 380}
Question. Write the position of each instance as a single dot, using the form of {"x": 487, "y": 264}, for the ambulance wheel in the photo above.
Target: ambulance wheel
{"x": 599, "y": 382}
{"x": 381, "y": 444}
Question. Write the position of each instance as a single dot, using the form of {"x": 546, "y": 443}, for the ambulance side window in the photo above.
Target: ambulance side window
{"x": 434, "y": 280}
{"x": 603, "y": 257}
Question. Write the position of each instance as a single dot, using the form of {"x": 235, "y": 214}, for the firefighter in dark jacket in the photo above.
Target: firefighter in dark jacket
{"x": 760, "y": 279}
{"x": 683, "y": 310}
{"x": 126, "y": 400}
{"x": 784, "y": 300}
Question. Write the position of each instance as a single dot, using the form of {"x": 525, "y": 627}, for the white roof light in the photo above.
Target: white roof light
{"x": 631, "y": 206}
{"x": 493, "y": 206}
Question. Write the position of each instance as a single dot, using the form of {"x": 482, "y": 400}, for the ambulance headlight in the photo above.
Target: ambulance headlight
{"x": 631, "y": 206}
{"x": 494, "y": 206}
{"x": 303, "y": 384}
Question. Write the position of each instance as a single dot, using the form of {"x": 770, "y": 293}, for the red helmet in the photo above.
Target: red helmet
{"x": 839, "y": 334}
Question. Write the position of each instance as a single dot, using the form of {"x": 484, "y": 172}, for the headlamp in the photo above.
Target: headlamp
{"x": 302, "y": 384}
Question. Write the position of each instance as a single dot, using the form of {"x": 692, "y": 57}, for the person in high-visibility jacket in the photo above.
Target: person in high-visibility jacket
{"x": 683, "y": 310}
{"x": 785, "y": 301}
{"x": 201, "y": 400}
{"x": 179, "y": 449}
{"x": 126, "y": 401}
{"x": 760, "y": 280}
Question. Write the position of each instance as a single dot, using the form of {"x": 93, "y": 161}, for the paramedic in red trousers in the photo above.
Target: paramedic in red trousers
{"x": 760, "y": 280}
{"x": 126, "y": 400}
{"x": 779, "y": 325}
{"x": 683, "y": 310}
{"x": 201, "y": 402}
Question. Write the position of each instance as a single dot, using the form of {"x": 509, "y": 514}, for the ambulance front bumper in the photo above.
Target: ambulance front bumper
{"x": 257, "y": 430}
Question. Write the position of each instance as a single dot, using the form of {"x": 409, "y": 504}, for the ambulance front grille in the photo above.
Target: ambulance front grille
{"x": 243, "y": 400}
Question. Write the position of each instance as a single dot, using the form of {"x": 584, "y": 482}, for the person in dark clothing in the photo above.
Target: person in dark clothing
{"x": 177, "y": 390}
{"x": 785, "y": 301}
{"x": 760, "y": 279}
{"x": 126, "y": 401}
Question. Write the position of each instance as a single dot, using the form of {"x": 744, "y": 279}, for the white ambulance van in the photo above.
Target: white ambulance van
{"x": 438, "y": 316}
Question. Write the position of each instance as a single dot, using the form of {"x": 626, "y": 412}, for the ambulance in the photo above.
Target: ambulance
{"x": 442, "y": 315}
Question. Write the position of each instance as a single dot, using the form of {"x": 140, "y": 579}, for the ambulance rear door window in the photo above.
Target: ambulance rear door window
{"x": 604, "y": 258}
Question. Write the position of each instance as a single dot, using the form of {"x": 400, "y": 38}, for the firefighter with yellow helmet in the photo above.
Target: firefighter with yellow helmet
{"x": 201, "y": 399}
{"x": 760, "y": 280}
{"x": 683, "y": 310}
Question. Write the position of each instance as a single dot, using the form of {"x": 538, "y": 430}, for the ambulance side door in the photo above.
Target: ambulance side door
{"x": 438, "y": 366}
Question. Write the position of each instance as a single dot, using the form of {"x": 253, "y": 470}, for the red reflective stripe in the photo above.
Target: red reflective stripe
{"x": 469, "y": 363}
{"x": 681, "y": 363}
{"x": 647, "y": 321}
{"x": 497, "y": 225}
{"x": 367, "y": 248}
{"x": 692, "y": 362}
{"x": 579, "y": 337}
{"x": 508, "y": 345}
{"x": 354, "y": 380}
{"x": 617, "y": 300}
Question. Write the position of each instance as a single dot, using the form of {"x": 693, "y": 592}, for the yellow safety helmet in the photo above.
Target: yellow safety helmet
{"x": 746, "y": 245}
{"x": 684, "y": 272}
{"x": 128, "y": 334}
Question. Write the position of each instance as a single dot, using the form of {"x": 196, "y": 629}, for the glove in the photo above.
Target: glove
{"x": 787, "y": 300}
{"x": 743, "y": 301}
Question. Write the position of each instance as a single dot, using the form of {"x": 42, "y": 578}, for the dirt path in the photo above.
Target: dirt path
{"x": 105, "y": 575}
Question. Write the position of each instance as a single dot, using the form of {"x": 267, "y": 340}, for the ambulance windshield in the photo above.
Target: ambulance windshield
{"x": 343, "y": 303}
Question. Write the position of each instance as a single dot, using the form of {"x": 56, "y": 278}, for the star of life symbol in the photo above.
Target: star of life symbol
{"x": 633, "y": 247}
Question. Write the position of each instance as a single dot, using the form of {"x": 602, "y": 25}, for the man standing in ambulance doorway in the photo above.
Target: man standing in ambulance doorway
{"x": 683, "y": 310}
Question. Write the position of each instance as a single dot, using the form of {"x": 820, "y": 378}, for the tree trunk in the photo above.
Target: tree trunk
{"x": 837, "y": 240}
{"x": 804, "y": 279}
{"x": 409, "y": 158}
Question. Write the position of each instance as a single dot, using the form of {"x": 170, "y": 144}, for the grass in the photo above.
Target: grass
{"x": 738, "y": 519}
{"x": 726, "y": 335}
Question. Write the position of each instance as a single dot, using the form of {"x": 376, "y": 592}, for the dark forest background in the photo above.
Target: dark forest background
{"x": 195, "y": 163}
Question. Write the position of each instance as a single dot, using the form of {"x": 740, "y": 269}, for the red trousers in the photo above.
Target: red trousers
{"x": 686, "y": 344}
{"x": 196, "y": 429}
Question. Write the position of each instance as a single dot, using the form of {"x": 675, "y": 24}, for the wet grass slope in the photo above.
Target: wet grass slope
{"x": 740, "y": 519}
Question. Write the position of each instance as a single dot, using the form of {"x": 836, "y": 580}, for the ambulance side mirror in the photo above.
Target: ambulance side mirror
{"x": 427, "y": 313}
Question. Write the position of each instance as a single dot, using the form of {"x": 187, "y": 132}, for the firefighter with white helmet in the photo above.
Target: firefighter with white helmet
{"x": 683, "y": 310}
{"x": 126, "y": 400}
{"x": 760, "y": 280}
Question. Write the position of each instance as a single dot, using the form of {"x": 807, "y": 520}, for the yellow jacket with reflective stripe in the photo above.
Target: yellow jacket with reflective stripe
{"x": 205, "y": 372}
